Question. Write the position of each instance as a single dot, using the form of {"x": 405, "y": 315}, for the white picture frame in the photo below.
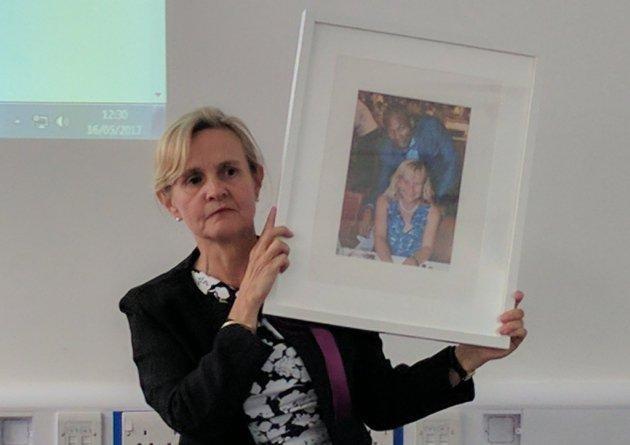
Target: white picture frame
{"x": 455, "y": 302}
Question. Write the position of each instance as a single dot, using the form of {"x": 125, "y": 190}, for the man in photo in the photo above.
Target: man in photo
{"x": 427, "y": 141}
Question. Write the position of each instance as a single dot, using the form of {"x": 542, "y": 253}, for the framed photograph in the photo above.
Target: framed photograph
{"x": 404, "y": 163}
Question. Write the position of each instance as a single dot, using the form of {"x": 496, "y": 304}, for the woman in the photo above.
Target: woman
{"x": 219, "y": 373}
{"x": 406, "y": 224}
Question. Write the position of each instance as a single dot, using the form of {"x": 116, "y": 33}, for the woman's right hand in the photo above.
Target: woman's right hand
{"x": 267, "y": 259}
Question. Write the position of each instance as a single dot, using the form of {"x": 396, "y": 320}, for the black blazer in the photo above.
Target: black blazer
{"x": 197, "y": 376}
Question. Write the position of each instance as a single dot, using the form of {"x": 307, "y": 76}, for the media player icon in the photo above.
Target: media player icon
{"x": 62, "y": 121}
{"x": 40, "y": 121}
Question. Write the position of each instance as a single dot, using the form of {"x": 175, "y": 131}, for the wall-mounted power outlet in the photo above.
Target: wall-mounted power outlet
{"x": 142, "y": 428}
{"x": 79, "y": 428}
{"x": 439, "y": 430}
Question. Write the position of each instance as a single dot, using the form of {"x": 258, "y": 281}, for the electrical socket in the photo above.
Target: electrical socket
{"x": 142, "y": 428}
{"x": 439, "y": 430}
{"x": 79, "y": 428}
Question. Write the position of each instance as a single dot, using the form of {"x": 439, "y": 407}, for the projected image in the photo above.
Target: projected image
{"x": 403, "y": 180}
{"x": 82, "y": 69}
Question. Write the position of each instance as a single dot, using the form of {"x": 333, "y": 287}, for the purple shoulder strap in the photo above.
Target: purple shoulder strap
{"x": 336, "y": 372}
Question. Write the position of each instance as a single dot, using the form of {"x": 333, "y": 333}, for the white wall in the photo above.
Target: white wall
{"x": 80, "y": 225}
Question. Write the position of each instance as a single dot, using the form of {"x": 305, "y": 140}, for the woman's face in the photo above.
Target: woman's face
{"x": 410, "y": 185}
{"x": 216, "y": 194}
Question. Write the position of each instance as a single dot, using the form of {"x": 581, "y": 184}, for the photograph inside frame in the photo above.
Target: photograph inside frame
{"x": 403, "y": 180}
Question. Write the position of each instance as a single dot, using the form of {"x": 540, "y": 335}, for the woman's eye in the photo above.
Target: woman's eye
{"x": 194, "y": 179}
{"x": 231, "y": 171}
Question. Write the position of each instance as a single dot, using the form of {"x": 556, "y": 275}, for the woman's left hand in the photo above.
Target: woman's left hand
{"x": 471, "y": 357}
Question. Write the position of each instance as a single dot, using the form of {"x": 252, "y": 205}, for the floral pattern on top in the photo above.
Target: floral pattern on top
{"x": 213, "y": 286}
{"x": 401, "y": 242}
{"x": 282, "y": 405}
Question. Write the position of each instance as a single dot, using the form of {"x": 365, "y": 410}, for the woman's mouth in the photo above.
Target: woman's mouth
{"x": 219, "y": 211}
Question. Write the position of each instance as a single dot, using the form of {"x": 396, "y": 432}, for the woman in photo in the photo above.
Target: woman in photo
{"x": 215, "y": 369}
{"x": 406, "y": 222}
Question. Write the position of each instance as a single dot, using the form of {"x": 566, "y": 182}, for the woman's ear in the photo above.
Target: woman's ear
{"x": 164, "y": 196}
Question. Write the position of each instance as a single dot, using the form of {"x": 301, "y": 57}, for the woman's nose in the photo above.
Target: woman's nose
{"x": 214, "y": 189}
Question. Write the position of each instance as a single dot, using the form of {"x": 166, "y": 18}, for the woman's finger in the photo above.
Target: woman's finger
{"x": 270, "y": 228}
{"x": 510, "y": 326}
{"x": 280, "y": 263}
{"x": 285, "y": 266}
{"x": 271, "y": 218}
{"x": 512, "y": 314}
{"x": 269, "y": 223}
{"x": 518, "y": 297}
{"x": 276, "y": 248}
{"x": 281, "y": 231}
{"x": 519, "y": 333}
{"x": 270, "y": 231}
{"x": 261, "y": 244}
{"x": 273, "y": 234}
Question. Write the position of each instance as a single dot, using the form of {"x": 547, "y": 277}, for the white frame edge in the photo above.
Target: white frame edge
{"x": 291, "y": 138}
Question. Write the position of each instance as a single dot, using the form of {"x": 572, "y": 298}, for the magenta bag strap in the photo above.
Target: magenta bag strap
{"x": 336, "y": 373}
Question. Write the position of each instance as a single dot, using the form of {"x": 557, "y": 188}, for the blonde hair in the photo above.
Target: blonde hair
{"x": 408, "y": 165}
{"x": 174, "y": 145}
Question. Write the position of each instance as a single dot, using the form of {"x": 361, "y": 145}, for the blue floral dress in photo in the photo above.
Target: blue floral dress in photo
{"x": 403, "y": 243}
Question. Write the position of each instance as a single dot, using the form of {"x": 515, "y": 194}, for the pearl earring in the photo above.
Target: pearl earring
{"x": 178, "y": 219}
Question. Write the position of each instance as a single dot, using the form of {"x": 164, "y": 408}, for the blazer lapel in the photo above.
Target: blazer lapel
{"x": 196, "y": 314}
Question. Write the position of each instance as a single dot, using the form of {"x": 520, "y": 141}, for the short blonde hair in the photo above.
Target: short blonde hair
{"x": 174, "y": 145}
{"x": 408, "y": 165}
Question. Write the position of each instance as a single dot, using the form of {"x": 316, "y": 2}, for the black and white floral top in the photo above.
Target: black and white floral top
{"x": 282, "y": 405}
